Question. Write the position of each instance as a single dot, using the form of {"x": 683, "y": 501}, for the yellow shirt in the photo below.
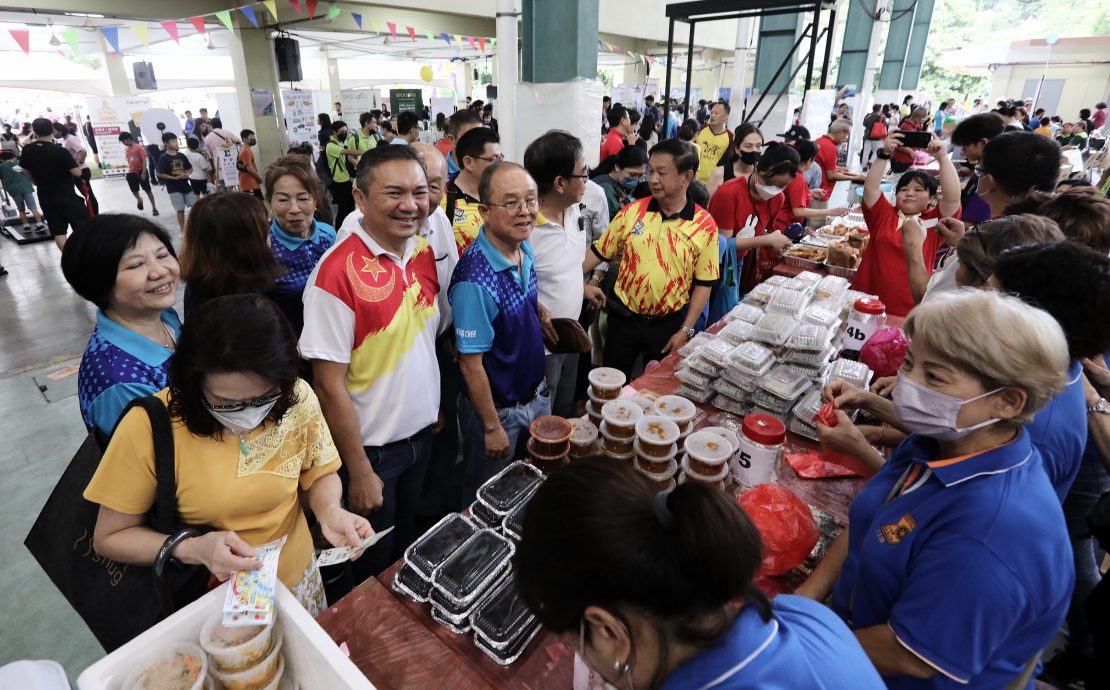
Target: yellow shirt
{"x": 467, "y": 220}
{"x": 254, "y": 495}
{"x": 663, "y": 258}
{"x": 711, "y": 147}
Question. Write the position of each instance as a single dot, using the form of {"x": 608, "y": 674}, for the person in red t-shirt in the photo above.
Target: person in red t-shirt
{"x": 903, "y": 156}
{"x": 895, "y": 259}
{"x": 620, "y": 132}
{"x": 745, "y": 208}
{"x": 798, "y": 197}
{"x": 249, "y": 179}
{"x": 137, "y": 175}
{"x": 827, "y": 145}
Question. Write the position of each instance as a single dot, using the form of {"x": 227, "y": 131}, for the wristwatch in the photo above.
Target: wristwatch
{"x": 881, "y": 153}
{"x": 688, "y": 331}
{"x": 1102, "y": 406}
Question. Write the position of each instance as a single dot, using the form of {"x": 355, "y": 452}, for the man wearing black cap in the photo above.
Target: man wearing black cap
{"x": 813, "y": 174}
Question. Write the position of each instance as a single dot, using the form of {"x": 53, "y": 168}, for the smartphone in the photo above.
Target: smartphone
{"x": 916, "y": 140}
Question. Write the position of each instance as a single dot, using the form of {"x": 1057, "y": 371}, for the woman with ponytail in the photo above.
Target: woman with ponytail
{"x": 654, "y": 590}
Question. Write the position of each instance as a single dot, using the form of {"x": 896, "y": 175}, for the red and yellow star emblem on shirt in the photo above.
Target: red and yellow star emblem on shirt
{"x": 373, "y": 267}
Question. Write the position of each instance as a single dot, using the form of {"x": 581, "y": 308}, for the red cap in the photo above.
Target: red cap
{"x": 870, "y": 305}
{"x": 764, "y": 429}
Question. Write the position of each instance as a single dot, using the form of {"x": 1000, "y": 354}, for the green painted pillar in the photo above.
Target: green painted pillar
{"x": 915, "y": 52}
{"x": 560, "y": 40}
{"x": 777, "y": 34}
{"x": 897, "y": 43}
{"x": 857, "y": 39}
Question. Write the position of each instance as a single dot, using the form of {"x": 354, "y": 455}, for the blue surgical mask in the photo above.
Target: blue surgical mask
{"x": 922, "y": 410}
{"x": 629, "y": 183}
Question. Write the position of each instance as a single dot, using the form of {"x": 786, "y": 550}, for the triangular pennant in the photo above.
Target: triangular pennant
{"x": 358, "y": 19}
{"x": 73, "y": 39}
{"x": 600, "y": 44}
{"x": 333, "y": 12}
{"x": 271, "y": 7}
{"x": 430, "y": 35}
{"x": 332, "y": 67}
{"x": 376, "y": 26}
{"x": 482, "y": 44}
{"x": 111, "y": 33}
{"x": 142, "y": 33}
{"x": 458, "y": 40}
{"x": 412, "y": 33}
{"x": 170, "y": 27}
{"x": 472, "y": 46}
{"x": 225, "y": 18}
{"x": 23, "y": 38}
{"x": 311, "y": 9}
{"x": 392, "y": 30}
{"x": 198, "y": 24}
{"x": 248, "y": 12}
{"x": 446, "y": 37}
{"x": 492, "y": 42}
{"x": 297, "y": 6}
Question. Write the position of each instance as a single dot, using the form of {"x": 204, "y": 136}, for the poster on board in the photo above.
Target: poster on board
{"x": 401, "y": 100}
{"x": 300, "y": 116}
{"x": 355, "y": 103}
{"x": 442, "y": 104}
{"x": 111, "y": 116}
{"x": 262, "y": 102}
{"x": 225, "y": 165}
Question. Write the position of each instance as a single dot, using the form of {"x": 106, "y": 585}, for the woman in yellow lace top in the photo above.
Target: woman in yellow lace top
{"x": 248, "y": 438}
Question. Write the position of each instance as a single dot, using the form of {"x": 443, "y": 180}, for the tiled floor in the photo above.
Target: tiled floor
{"x": 43, "y": 328}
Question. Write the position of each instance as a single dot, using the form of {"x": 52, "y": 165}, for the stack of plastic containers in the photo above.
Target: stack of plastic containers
{"x": 618, "y": 428}
{"x": 605, "y": 385}
{"x": 583, "y": 439}
{"x": 856, "y": 373}
{"x": 679, "y": 410}
{"x": 710, "y": 357}
{"x": 778, "y": 390}
{"x": 774, "y": 329}
{"x": 503, "y": 625}
{"x": 460, "y": 583}
{"x": 656, "y": 447}
{"x": 550, "y": 441}
{"x": 506, "y": 490}
{"x": 737, "y": 383}
{"x": 707, "y": 459}
{"x": 802, "y": 419}
{"x": 428, "y": 552}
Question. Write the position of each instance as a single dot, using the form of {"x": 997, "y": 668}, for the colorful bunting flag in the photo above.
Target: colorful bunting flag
{"x": 111, "y": 33}
{"x": 458, "y": 40}
{"x": 271, "y": 7}
{"x": 446, "y": 37}
{"x": 225, "y": 18}
{"x": 297, "y": 6}
{"x": 170, "y": 27}
{"x": 311, "y": 9}
{"x": 430, "y": 35}
{"x": 73, "y": 39}
{"x": 472, "y": 46}
{"x": 198, "y": 24}
{"x": 482, "y": 44}
{"x": 142, "y": 33}
{"x": 23, "y": 38}
{"x": 376, "y": 26}
{"x": 248, "y": 11}
{"x": 392, "y": 30}
{"x": 358, "y": 19}
{"x": 492, "y": 42}
{"x": 333, "y": 12}
{"x": 412, "y": 33}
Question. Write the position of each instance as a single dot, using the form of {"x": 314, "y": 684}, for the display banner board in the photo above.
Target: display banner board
{"x": 300, "y": 116}
{"x": 355, "y": 103}
{"x": 110, "y": 116}
{"x": 225, "y": 165}
{"x": 401, "y": 100}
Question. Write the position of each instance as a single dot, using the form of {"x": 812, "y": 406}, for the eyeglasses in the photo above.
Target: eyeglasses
{"x": 492, "y": 159}
{"x": 237, "y": 406}
{"x": 532, "y": 204}
{"x": 583, "y": 176}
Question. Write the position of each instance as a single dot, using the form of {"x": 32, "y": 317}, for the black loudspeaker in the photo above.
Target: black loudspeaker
{"x": 288, "y": 54}
{"x": 144, "y": 76}
{"x": 491, "y": 92}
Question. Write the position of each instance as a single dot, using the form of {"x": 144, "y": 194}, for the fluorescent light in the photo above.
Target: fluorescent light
{"x": 84, "y": 14}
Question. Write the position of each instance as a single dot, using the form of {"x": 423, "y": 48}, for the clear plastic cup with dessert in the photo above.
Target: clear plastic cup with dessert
{"x": 606, "y": 382}
{"x": 707, "y": 454}
{"x": 620, "y": 417}
{"x": 657, "y": 436}
{"x": 650, "y": 463}
{"x": 615, "y": 445}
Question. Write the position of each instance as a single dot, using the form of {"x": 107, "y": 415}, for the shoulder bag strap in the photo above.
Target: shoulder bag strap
{"x": 164, "y": 513}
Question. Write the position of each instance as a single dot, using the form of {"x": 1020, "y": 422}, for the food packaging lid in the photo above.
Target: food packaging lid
{"x": 725, "y": 433}
{"x": 736, "y": 331}
{"x": 472, "y": 567}
{"x": 787, "y": 301}
{"x": 807, "y": 406}
{"x": 510, "y": 486}
{"x": 717, "y": 351}
{"x": 764, "y": 429}
{"x": 784, "y": 382}
{"x": 762, "y": 293}
{"x": 741, "y": 378}
{"x": 832, "y": 285}
{"x": 869, "y": 305}
{"x": 856, "y": 373}
{"x": 823, "y": 313}
{"x": 658, "y": 430}
{"x": 694, "y": 343}
{"x": 774, "y": 328}
{"x": 708, "y": 447}
{"x": 584, "y": 432}
{"x": 502, "y": 616}
{"x": 776, "y": 280}
{"x": 550, "y": 429}
{"x": 752, "y": 358}
{"x": 621, "y": 412}
{"x": 676, "y": 408}
{"x": 810, "y": 336}
{"x": 439, "y": 542}
{"x": 671, "y": 471}
{"x": 606, "y": 377}
{"x": 748, "y": 313}
{"x": 809, "y": 278}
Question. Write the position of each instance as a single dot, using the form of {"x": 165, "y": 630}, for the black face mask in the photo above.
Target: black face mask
{"x": 749, "y": 157}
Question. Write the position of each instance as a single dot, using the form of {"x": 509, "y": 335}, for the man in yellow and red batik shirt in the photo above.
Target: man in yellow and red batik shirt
{"x": 369, "y": 330}
{"x": 671, "y": 261}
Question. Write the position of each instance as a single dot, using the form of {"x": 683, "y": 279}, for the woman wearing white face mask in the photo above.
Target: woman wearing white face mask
{"x": 955, "y": 567}
{"x": 654, "y": 589}
{"x": 249, "y": 437}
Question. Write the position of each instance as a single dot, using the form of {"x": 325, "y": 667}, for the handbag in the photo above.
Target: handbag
{"x": 118, "y": 601}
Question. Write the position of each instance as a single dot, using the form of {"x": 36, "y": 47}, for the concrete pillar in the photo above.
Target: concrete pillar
{"x": 117, "y": 75}
{"x": 745, "y": 30}
{"x": 867, "y": 86}
{"x": 506, "y": 70}
{"x": 254, "y": 66}
{"x": 560, "y": 40}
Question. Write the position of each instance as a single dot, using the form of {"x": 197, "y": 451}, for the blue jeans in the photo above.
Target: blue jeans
{"x": 514, "y": 420}
{"x": 1091, "y": 482}
{"x": 561, "y": 374}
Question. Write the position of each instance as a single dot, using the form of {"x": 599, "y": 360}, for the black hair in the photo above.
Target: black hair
{"x": 232, "y": 334}
{"x": 597, "y": 533}
{"x": 647, "y": 127}
{"x": 617, "y": 112}
{"x": 125, "y": 136}
{"x": 460, "y": 118}
{"x": 684, "y": 154}
{"x": 629, "y": 157}
{"x": 907, "y": 99}
{"x": 554, "y": 154}
{"x": 42, "y": 126}
{"x": 1022, "y": 161}
{"x": 363, "y": 118}
{"x": 485, "y": 184}
{"x": 338, "y": 125}
{"x": 192, "y": 143}
{"x": 728, "y": 108}
{"x": 406, "y": 121}
{"x": 245, "y": 134}
{"x": 806, "y": 149}
{"x": 633, "y": 116}
{"x": 778, "y": 158}
{"x": 379, "y": 155}
{"x": 473, "y": 143}
{"x": 216, "y": 123}
{"x": 1083, "y": 217}
{"x": 1100, "y": 105}
{"x": 168, "y": 136}
{"x": 1069, "y": 281}
{"x": 323, "y": 119}
{"x": 1085, "y": 114}
{"x": 8, "y": 155}
{"x": 977, "y": 127}
{"x": 90, "y": 259}
{"x": 921, "y": 177}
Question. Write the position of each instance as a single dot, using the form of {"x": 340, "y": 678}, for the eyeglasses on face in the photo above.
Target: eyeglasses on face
{"x": 496, "y": 158}
{"x": 531, "y": 203}
{"x": 243, "y": 404}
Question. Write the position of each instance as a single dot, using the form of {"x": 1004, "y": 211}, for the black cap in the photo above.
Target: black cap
{"x": 795, "y": 132}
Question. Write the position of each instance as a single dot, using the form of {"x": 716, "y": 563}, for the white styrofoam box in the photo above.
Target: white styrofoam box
{"x": 311, "y": 657}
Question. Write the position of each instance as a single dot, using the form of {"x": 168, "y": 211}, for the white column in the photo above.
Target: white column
{"x": 508, "y": 69}
{"x": 745, "y": 29}
{"x": 867, "y": 88}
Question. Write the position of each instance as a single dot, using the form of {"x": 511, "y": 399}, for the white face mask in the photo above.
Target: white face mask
{"x": 922, "y": 410}
{"x": 767, "y": 191}
{"x": 244, "y": 420}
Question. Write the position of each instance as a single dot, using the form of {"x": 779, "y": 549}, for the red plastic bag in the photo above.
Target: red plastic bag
{"x": 884, "y": 351}
{"x": 851, "y": 465}
{"x": 813, "y": 465}
{"x": 786, "y": 525}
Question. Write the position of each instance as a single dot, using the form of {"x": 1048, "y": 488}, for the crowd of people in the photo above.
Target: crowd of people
{"x": 387, "y": 356}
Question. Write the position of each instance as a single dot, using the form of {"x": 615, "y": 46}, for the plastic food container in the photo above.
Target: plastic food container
{"x": 593, "y": 411}
{"x": 178, "y": 662}
{"x": 811, "y": 360}
{"x": 258, "y": 676}
{"x": 676, "y": 408}
{"x": 774, "y": 329}
{"x": 736, "y": 332}
{"x": 699, "y": 363}
{"x": 761, "y": 442}
{"x": 784, "y": 382}
{"x": 583, "y": 436}
{"x": 824, "y": 313}
{"x": 508, "y": 655}
{"x": 503, "y": 617}
{"x": 409, "y": 582}
{"x": 707, "y": 453}
{"x": 776, "y": 280}
{"x": 645, "y": 403}
{"x": 434, "y": 546}
{"x": 483, "y": 516}
{"x": 849, "y": 300}
{"x": 513, "y": 524}
{"x": 741, "y": 378}
{"x": 698, "y": 393}
{"x": 235, "y": 648}
{"x": 615, "y": 445}
{"x": 779, "y": 406}
{"x": 810, "y": 338}
{"x": 736, "y": 407}
{"x": 831, "y": 287}
{"x": 692, "y": 377}
{"x": 651, "y": 463}
{"x": 466, "y": 574}
{"x": 750, "y": 359}
{"x": 806, "y": 408}
{"x": 509, "y": 487}
{"x": 729, "y": 389}
{"x": 717, "y": 352}
{"x": 800, "y": 428}
{"x": 606, "y": 382}
{"x": 443, "y": 619}
{"x": 656, "y": 436}
{"x": 694, "y": 343}
{"x": 868, "y": 315}
{"x": 808, "y": 280}
{"x": 661, "y": 480}
{"x": 747, "y": 313}
{"x": 620, "y": 417}
{"x": 720, "y": 474}
{"x": 762, "y": 293}
{"x": 856, "y": 373}
{"x": 544, "y": 463}
{"x": 551, "y": 434}
{"x": 787, "y": 301}
{"x": 725, "y": 433}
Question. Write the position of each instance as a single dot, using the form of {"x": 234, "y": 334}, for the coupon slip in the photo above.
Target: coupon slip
{"x": 349, "y": 553}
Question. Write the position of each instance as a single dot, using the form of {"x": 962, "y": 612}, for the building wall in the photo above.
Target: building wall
{"x": 1084, "y": 84}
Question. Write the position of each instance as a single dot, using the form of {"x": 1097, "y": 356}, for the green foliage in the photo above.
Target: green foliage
{"x": 606, "y": 78}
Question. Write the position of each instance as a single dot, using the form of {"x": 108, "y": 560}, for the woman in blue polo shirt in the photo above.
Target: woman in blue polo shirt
{"x": 296, "y": 239}
{"x": 654, "y": 589}
{"x": 955, "y": 569}
{"x": 126, "y": 266}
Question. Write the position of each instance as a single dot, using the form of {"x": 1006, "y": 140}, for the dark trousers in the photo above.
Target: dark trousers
{"x": 1098, "y": 612}
{"x": 631, "y": 336}
{"x": 153, "y": 152}
{"x": 344, "y": 200}
{"x": 86, "y": 181}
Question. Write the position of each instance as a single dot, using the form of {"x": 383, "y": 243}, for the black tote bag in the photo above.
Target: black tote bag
{"x": 117, "y": 601}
